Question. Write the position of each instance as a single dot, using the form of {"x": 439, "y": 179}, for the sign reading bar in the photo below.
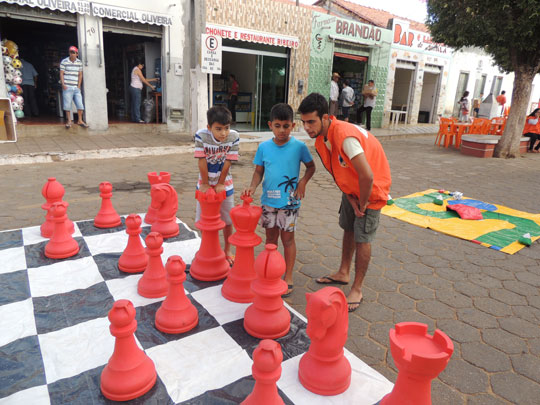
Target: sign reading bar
{"x": 244, "y": 34}
{"x": 129, "y": 14}
{"x": 419, "y": 41}
{"x": 72, "y": 6}
{"x": 210, "y": 54}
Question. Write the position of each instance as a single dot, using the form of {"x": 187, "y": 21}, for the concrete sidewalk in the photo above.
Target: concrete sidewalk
{"x": 139, "y": 140}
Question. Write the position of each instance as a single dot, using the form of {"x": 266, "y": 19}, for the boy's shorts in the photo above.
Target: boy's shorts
{"x": 364, "y": 227}
{"x": 284, "y": 219}
{"x": 226, "y": 207}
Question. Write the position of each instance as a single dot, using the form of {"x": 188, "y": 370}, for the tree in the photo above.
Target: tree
{"x": 508, "y": 30}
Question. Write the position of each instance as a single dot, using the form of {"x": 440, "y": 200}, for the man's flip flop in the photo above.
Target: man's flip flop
{"x": 68, "y": 126}
{"x": 290, "y": 289}
{"x": 84, "y": 125}
{"x": 330, "y": 281}
{"x": 354, "y": 303}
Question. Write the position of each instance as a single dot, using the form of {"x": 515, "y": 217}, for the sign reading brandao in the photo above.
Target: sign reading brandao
{"x": 357, "y": 30}
{"x": 211, "y": 54}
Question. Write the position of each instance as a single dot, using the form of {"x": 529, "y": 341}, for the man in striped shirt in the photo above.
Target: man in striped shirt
{"x": 216, "y": 147}
{"x": 71, "y": 74}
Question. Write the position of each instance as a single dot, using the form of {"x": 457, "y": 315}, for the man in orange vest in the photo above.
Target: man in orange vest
{"x": 356, "y": 160}
{"x": 501, "y": 99}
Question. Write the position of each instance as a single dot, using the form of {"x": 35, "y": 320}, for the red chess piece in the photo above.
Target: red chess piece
{"x": 154, "y": 178}
{"x": 419, "y": 358}
{"x": 209, "y": 263}
{"x": 267, "y": 317}
{"x": 129, "y": 373}
{"x": 237, "y": 287}
{"x": 176, "y": 314}
{"x": 53, "y": 192}
{"x": 165, "y": 201}
{"x": 61, "y": 244}
{"x": 134, "y": 258}
{"x": 267, "y": 358}
{"x": 107, "y": 216}
{"x": 153, "y": 283}
{"x": 323, "y": 369}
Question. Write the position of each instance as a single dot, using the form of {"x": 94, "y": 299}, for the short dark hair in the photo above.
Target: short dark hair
{"x": 282, "y": 112}
{"x": 219, "y": 114}
{"x": 314, "y": 102}
{"x": 503, "y": 92}
{"x": 346, "y": 82}
{"x": 371, "y": 81}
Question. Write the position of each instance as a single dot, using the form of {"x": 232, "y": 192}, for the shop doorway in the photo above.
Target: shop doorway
{"x": 44, "y": 46}
{"x": 429, "y": 98}
{"x": 353, "y": 69}
{"x": 122, "y": 53}
{"x": 402, "y": 95}
{"x": 461, "y": 87}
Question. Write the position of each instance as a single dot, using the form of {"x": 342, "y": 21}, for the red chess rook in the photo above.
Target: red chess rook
{"x": 324, "y": 369}
{"x": 107, "y": 217}
{"x": 237, "y": 287}
{"x": 53, "y": 192}
{"x": 61, "y": 245}
{"x": 419, "y": 358}
{"x": 210, "y": 263}
{"x": 154, "y": 178}
{"x": 129, "y": 373}
{"x": 267, "y": 317}
{"x": 165, "y": 202}
{"x": 134, "y": 258}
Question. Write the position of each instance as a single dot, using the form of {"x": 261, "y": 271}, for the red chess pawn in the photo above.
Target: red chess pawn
{"x": 129, "y": 373}
{"x": 419, "y": 358}
{"x": 107, "y": 216}
{"x": 237, "y": 287}
{"x": 323, "y": 369}
{"x": 153, "y": 283}
{"x": 53, "y": 192}
{"x": 154, "y": 178}
{"x": 176, "y": 314}
{"x": 209, "y": 263}
{"x": 165, "y": 201}
{"x": 61, "y": 244}
{"x": 267, "y": 317}
{"x": 134, "y": 258}
{"x": 267, "y": 358}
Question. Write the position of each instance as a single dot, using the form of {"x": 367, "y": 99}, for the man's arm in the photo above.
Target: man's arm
{"x": 365, "y": 181}
{"x": 301, "y": 187}
{"x": 80, "y": 79}
{"x": 203, "y": 170}
{"x": 62, "y": 80}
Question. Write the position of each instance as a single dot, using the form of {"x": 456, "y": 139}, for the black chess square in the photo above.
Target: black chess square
{"x": 192, "y": 285}
{"x": 35, "y": 254}
{"x": 184, "y": 234}
{"x": 107, "y": 264}
{"x": 11, "y": 239}
{"x": 14, "y": 287}
{"x": 59, "y": 311}
{"x": 87, "y": 228}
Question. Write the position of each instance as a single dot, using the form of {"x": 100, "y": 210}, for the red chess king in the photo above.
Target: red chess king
{"x": 324, "y": 369}
{"x": 53, "y": 192}
{"x": 107, "y": 216}
{"x": 154, "y": 178}
{"x": 134, "y": 258}
{"x": 267, "y": 317}
{"x": 61, "y": 244}
{"x": 176, "y": 314}
{"x": 267, "y": 358}
{"x": 129, "y": 373}
{"x": 237, "y": 287}
{"x": 209, "y": 263}
{"x": 419, "y": 358}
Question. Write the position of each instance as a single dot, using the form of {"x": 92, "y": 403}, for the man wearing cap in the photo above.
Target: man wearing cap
{"x": 71, "y": 74}
{"x": 334, "y": 94}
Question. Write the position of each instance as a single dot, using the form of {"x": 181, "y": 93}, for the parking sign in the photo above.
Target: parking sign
{"x": 210, "y": 54}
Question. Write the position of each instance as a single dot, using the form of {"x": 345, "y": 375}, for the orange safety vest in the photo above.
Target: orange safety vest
{"x": 501, "y": 99}
{"x": 340, "y": 167}
{"x": 531, "y": 128}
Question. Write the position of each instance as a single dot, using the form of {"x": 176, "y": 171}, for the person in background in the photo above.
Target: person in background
{"x": 347, "y": 95}
{"x": 29, "y": 86}
{"x": 370, "y": 97}
{"x": 501, "y": 99}
{"x": 532, "y": 130}
{"x": 464, "y": 107}
{"x": 71, "y": 76}
{"x": 135, "y": 90}
{"x": 476, "y": 105}
{"x": 233, "y": 96}
{"x": 334, "y": 94}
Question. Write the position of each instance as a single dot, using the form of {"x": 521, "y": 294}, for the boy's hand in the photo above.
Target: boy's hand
{"x": 300, "y": 190}
{"x": 219, "y": 188}
{"x": 203, "y": 188}
{"x": 358, "y": 211}
{"x": 248, "y": 192}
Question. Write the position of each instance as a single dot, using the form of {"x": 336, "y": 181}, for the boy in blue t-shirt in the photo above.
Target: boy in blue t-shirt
{"x": 278, "y": 161}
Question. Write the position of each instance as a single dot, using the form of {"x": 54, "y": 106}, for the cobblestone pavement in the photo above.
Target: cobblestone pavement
{"x": 488, "y": 302}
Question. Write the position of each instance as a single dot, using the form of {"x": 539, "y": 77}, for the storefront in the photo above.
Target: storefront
{"x": 418, "y": 73}
{"x": 269, "y": 60}
{"x": 358, "y": 52}
{"x": 111, "y": 38}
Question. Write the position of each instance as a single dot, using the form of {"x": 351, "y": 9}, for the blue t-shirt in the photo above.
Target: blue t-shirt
{"x": 281, "y": 171}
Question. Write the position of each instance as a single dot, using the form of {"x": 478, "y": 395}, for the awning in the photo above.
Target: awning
{"x": 349, "y": 56}
{"x": 71, "y": 6}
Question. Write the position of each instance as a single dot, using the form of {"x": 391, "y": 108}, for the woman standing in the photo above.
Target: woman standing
{"x": 135, "y": 90}
{"x": 233, "y": 96}
{"x": 464, "y": 108}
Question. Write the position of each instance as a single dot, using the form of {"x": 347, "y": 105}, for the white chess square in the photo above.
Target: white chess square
{"x": 36, "y": 396}
{"x": 186, "y": 249}
{"x": 32, "y": 235}
{"x": 186, "y": 374}
{"x": 63, "y": 276}
{"x": 114, "y": 242}
{"x": 76, "y": 349}
{"x": 126, "y": 288}
{"x": 17, "y": 321}
{"x": 219, "y": 307}
{"x": 12, "y": 259}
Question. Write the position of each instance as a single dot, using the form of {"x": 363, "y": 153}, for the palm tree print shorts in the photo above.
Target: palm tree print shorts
{"x": 284, "y": 219}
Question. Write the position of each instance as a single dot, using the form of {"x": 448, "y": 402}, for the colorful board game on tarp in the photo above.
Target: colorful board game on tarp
{"x": 501, "y": 228}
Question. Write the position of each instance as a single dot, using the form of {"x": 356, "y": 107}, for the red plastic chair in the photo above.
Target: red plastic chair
{"x": 446, "y": 131}
{"x": 497, "y": 125}
{"x": 480, "y": 126}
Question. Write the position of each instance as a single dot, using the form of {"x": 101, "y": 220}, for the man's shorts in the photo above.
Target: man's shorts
{"x": 364, "y": 227}
{"x": 284, "y": 219}
{"x": 226, "y": 207}
{"x": 72, "y": 93}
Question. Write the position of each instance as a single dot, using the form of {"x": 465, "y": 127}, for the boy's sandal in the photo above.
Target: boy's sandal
{"x": 290, "y": 289}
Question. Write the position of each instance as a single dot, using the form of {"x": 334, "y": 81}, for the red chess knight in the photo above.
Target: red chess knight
{"x": 53, "y": 192}
{"x": 154, "y": 178}
{"x": 237, "y": 287}
{"x": 165, "y": 202}
{"x": 324, "y": 369}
